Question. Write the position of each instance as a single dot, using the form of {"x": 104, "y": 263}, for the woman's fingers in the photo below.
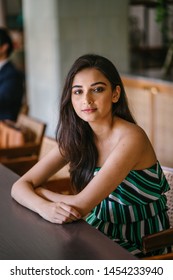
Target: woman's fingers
{"x": 66, "y": 213}
{"x": 74, "y": 214}
{"x": 59, "y": 212}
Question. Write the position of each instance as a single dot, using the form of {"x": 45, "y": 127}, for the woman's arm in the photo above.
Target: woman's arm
{"x": 23, "y": 190}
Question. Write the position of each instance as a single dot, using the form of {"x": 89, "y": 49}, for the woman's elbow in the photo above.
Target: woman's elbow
{"x": 14, "y": 190}
{"x": 82, "y": 207}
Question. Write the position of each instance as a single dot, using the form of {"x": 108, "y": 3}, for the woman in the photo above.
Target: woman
{"x": 114, "y": 170}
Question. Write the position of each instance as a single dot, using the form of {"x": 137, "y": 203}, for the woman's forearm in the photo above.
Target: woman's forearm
{"x": 51, "y": 209}
{"x": 48, "y": 195}
{"x": 55, "y": 197}
{"x": 24, "y": 194}
{"x": 71, "y": 200}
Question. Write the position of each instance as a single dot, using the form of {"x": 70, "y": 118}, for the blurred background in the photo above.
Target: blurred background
{"x": 50, "y": 34}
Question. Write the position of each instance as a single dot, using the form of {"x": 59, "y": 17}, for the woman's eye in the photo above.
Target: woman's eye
{"x": 98, "y": 89}
{"x": 77, "y": 92}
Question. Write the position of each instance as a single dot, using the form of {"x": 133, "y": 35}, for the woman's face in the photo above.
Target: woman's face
{"x": 92, "y": 95}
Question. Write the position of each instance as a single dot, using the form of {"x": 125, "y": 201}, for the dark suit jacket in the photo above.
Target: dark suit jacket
{"x": 11, "y": 91}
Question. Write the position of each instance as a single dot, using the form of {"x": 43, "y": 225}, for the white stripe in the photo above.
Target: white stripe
{"x": 139, "y": 191}
{"x": 132, "y": 213}
{"x": 152, "y": 209}
{"x": 106, "y": 225}
{"x": 116, "y": 199}
{"x": 95, "y": 172}
{"x": 160, "y": 224}
{"x": 154, "y": 175}
{"x": 111, "y": 213}
{"x": 135, "y": 252}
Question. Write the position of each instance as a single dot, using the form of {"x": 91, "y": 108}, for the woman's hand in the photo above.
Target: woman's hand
{"x": 58, "y": 212}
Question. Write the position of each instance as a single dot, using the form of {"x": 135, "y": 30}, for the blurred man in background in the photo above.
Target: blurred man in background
{"x": 11, "y": 80}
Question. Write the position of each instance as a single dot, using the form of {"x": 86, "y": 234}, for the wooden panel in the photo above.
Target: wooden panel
{"x": 151, "y": 101}
{"x": 140, "y": 106}
{"x": 164, "y": 128}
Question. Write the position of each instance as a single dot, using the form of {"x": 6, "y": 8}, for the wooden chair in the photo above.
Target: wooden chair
{"x": 21, "y": 156}
{"x": 60, "y": 181}
{"x": 163, "y": 238}
{"x": 169, "y": 176}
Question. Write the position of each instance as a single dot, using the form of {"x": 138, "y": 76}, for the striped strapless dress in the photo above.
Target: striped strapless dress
{"x": 135, "y": 208}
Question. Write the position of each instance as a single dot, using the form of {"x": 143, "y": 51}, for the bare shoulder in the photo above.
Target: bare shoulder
{"x": 134, "y": 143}
{"x": 132, "y": 132}
{"x": 138, "y": 134}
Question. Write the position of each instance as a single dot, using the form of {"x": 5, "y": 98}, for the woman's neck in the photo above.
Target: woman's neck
{"x": 103, "y": 130}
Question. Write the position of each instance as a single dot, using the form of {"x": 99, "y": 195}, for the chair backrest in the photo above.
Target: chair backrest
{"x": 164, "y": 238}
{"x": 37, "y": 126}
{"x": 21, "y": 157}
{"x": 15, "y": 135}
{"x": 23, "y": 147}
{"x": 169, "y": 176}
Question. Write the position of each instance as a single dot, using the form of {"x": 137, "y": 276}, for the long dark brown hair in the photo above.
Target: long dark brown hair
{"x": 75, "y": 137}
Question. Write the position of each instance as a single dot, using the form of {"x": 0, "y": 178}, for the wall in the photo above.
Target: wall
{"x": 42, "y": 59}
{"x": 98, "y": 26}
{"x": 56, "y": 33}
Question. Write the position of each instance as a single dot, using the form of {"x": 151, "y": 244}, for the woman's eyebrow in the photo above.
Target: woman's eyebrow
{"x": 94, "y": 84}
{"x": 102, "y": 83}
{"x": 76, "y": 86}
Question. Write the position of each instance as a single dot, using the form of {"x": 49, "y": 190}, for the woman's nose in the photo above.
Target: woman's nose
{"x": 88, "y": 99}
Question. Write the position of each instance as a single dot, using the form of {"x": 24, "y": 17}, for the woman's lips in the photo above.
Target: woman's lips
{"x": 89, "y": 110}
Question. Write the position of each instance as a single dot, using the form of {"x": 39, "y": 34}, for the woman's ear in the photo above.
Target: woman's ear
{"x": 116, "y": 94}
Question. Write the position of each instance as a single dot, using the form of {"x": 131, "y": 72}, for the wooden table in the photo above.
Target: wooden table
{"x": 24, "y": 235}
